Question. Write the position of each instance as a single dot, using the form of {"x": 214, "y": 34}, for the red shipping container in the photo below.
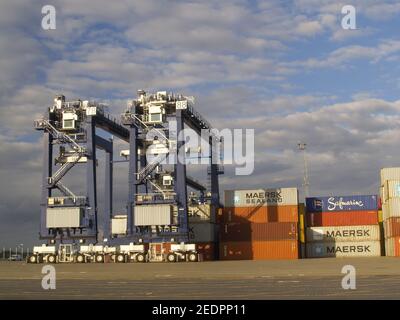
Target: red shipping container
{"x": 259, "y": 231}
{"x": 392, "y": 227}
{"x": 343, "y": 218}
{"x": 259, "y": 250}
{"x": 260, "y": 214}
{"x": 208, "y": 250}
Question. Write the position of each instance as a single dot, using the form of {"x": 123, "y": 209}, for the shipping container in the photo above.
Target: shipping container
{"x": 380, "y": 216}
{"x": 151, "y": 215}
{"x": 259, "y": 231}
{"x": 392, "y": 227}
{"x": 390, "y": 174}
{"x": 391, "y": 189}
{"x": 342, "y": 203}
{"x": 64, "y": 217}
{"x": 348, "y": 218}
{"x": 343, "y": 249}
{"x": 119, "y": 224}
{"x": 208, "y": 250}
{"x": 261, "y": 197}
{"x": 203, "y": 232}
{"x": 259, "y": 250}
{"x": 391, "y": 208}
{"x": 260, "y": 214}
{"x": 343, "y": 234}
{"x": 302, "y": 231}
{"x": 392, "y": 247}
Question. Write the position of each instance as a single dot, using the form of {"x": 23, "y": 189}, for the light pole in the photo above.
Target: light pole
{"x": 306, "y": 183}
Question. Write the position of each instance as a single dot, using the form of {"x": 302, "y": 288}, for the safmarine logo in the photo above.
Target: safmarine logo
{"x": 340, "y": 204}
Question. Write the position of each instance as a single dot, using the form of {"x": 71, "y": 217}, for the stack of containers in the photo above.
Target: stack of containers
{"x": 341, "y": 226}
{"x": 259, "y": 224}
{"x": 390, "y": 194}
{"x": 203, "y": 230}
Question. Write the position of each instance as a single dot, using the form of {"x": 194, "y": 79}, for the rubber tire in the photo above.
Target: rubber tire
{"x": 33, "y": 259}
{"x": 192, "y": 257}
{"x": 113, "y": 257}
{"x": 140, "y": 257}
{"x": 99, "y": 258}
{"x": 171, "y": 257}
{"x": 120, "y": 258}
{"x": 80, "y": 258}
{"x": 51, "y": 257}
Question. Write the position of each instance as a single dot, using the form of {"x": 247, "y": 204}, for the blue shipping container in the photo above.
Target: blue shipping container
{"x": 342, "y": 203}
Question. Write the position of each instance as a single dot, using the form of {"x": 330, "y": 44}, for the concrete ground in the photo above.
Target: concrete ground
{"x": 376, "y": 278}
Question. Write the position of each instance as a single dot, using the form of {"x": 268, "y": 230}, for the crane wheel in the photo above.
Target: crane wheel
{"x": 192, "y": 257}
{"x": 99, "y": 258}
{"x": 171, "y": 257}
{"x": 33, "y": 259}
{"x": 51, "y": 258}
{"x": 80, "y": 258}
{"x": 121, "y": 258}
{"x": 140, "y": 257}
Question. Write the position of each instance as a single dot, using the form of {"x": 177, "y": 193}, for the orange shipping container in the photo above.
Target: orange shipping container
{"x": 259, "y": 250}
{"x": 260, "y": 214}
{"x": 392, "y": 247}
{"x": 392, "y": 227}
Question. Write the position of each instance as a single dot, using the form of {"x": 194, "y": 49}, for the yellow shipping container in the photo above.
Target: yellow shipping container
{"x": 380, "y": 216}
{"x": 302, "y": 212}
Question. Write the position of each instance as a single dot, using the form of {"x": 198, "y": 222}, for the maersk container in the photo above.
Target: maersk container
{"x": 391, "y": 208}
{"x": 343, "y": 234}
{"x": 390, "y": 174}
{"x": 261, "y": 197}
{"x": 344, "y": 249}
{"x": 342, "y": 203}
{"x": 391, "y": 189}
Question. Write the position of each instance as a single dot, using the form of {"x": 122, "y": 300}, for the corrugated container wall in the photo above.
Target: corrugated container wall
{"x": 391, "y": 208}
{"x": 348, "y": 218}
{"x": 258, "y": 231}
{"x": 259, "y": 250}
{"x": 203, "y": 232}
{"x": 342, "y": 203}
{"x": 343, "y": 249}
{"x": 289, "y": 213}
{"x": 391, "y": 189}
{"x": 392, "y": 227}
{"x": 261, "y": 197}
{"x": 150, "y": 215}
{"x": 390, "y": 174}
{"x": 344, "y": 233}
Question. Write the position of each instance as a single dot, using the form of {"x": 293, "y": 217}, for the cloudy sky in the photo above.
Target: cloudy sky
{"x": 284, "y": 68}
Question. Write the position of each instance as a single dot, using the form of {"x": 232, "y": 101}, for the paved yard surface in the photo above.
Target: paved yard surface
{"x": 377, "y": 278}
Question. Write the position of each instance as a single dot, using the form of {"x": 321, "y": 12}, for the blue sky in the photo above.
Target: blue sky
{"x": 284, "y": 68}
